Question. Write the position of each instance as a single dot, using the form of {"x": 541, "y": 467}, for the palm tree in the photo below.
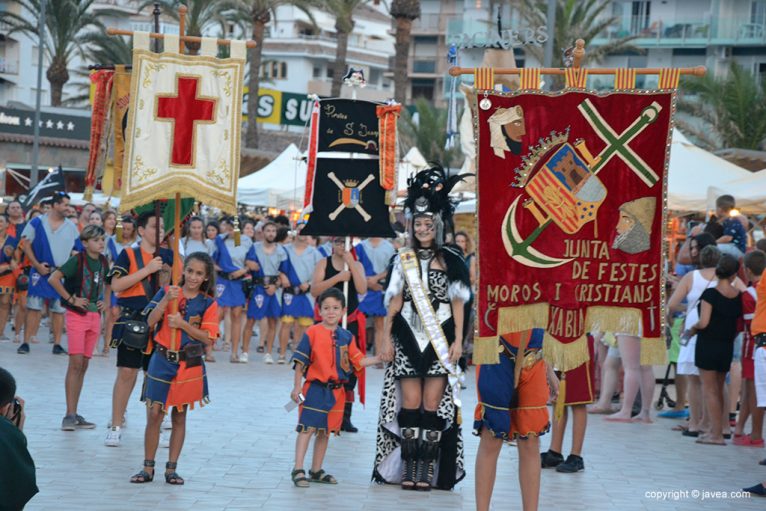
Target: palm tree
{"x": 426, "y": 132}
{"x": 344, "y": 25}
{"x": 100, "y": 48}
{"x": 404, "y": 13}
{"x": 202, "y": 15}
{"x": 66, "y": 24}
{"x": 726, "y": 112}
{"x": 576, "y": 19}
{"x": 261, "y": 14}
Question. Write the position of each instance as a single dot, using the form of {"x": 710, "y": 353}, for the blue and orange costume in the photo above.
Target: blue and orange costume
{"x": 173, "y": 384}
{"x": 8, "y": 276}
{"x": 329, "y": 359}
{"x": 508, "y": 410}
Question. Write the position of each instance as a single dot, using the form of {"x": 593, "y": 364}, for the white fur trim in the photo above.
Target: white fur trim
{"x": 459, "y": 291}
{"x": 395, "y": 283}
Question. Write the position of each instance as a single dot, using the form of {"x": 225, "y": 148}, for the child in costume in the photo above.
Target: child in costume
{"x": 176, "y": 377}
{"x": 327, "y": 355}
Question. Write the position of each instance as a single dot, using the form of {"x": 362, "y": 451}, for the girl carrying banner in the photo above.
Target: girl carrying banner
{"x": 427, "y": 301}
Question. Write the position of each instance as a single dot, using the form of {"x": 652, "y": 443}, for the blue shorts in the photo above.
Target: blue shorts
{"x": 262, "y": 305}
{"x": 229, "y": 293}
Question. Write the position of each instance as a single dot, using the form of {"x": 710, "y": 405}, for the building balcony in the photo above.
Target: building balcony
{"x": 8, "y": 67}
{"x": 322, "y": 48}
{"x": 686, "y": 32}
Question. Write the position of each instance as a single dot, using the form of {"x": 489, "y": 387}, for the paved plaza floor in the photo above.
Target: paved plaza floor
{"x": 239, "y": 453}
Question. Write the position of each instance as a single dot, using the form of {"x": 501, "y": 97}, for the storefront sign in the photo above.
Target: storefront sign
{"x": 21, "y": 122}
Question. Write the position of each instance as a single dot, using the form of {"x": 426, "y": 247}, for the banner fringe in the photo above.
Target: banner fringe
{"x": 653, "y": 351}
{"x": 522, "y": 317}
{"x": 565, "y": 356}
{"x": 486, "y": 351}
{"x": 622, "y": 320}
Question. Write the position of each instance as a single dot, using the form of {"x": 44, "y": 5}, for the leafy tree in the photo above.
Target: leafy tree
{"x": 261, "y": 14}
{"x": 426, "y": 132}
{"x": 66, "y": 28}
{"x": 726, "y": 112}
{"x": 344, "y": 25}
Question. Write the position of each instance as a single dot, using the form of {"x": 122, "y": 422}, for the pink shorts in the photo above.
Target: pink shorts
{"x": 82, "y": 332}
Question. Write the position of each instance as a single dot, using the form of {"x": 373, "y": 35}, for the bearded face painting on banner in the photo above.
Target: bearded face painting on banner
{"x": 571, "y": 195}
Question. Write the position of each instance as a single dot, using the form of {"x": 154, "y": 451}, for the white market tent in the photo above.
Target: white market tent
{"x": 694, "y": 172}
{"x": 749, "y": 192}
{"x": 280, "y": 184}
{"x": 412, "y": 163}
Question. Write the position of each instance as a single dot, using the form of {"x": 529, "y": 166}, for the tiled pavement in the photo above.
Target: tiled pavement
{"x": 239, "y": 452}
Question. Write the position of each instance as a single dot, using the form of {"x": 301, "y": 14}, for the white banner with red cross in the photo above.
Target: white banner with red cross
{"x": 184, "y": 124}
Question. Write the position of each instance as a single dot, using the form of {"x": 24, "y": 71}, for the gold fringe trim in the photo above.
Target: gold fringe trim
{"x": 624, "y": 320}
{"x": 522, "y": 317}
{"x": 653, "y": 351}
{"x": 202, "y": 402}
{"x": 565, "y": 356}
{"x": 558, "y": 408}
{"x": 486, "y": 351}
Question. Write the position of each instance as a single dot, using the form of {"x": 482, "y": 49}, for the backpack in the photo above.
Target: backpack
{"x": 73, "y": 285}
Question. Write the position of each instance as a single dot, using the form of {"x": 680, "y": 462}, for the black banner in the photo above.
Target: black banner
{"x": 348, "y": 125}
{"x": 348, "y": 200}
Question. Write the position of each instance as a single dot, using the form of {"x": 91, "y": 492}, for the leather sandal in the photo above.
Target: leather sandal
{"x": 299, "y": 478}
{"x": 143, "y": 476}
{"x": 172, "y": 477}
{"x": 320, "y": 476}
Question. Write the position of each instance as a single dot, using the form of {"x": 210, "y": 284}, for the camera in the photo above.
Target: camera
{"x": 16, "y": 413}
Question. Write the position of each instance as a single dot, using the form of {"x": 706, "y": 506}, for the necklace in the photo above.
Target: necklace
{"x": 426, "y": 253}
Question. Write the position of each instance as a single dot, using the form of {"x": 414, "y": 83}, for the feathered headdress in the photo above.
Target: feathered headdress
{"x": 428, "y": 195}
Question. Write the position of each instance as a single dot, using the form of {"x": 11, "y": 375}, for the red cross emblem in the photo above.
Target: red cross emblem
{"x": 185, "y": 110}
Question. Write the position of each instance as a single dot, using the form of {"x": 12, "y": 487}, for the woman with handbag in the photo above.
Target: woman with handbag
{"x": 176, "y": 378}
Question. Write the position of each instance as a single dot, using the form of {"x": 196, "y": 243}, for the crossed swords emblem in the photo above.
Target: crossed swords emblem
{"x": 351, "y": 196}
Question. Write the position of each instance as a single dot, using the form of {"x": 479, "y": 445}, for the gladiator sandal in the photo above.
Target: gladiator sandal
{"x": 409, "y": 457}
{"x": 143, "y": 476}
{"x": 429, "y": 453}
{"x": 172, "y": 477}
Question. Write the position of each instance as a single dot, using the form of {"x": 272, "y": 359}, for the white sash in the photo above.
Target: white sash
{"x": 411, "y": 271}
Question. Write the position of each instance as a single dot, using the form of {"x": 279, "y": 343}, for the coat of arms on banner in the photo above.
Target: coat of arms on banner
{"x": 184, "y": 127}
{"x": 571, "y": 209}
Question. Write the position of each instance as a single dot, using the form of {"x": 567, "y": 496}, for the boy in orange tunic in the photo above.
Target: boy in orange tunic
{"x": 326, "y": 356}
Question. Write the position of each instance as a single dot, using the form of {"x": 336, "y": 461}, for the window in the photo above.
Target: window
{"x": 316, "y": 72}
{"x": 640, "y": 16}
{"x": 274, "y": 70}
{"x": 329, "y": 73}
{"x": 758, "y": 12}
{"x": 424, "y": 66}
{"x": 423, "y": 88}
{"x": 760, "y": 71}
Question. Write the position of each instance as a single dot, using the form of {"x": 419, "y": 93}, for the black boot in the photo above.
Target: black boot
{"x": 430, "y": 440}
{"x": 346, "y": 425}
{"x": 409, "y": 425}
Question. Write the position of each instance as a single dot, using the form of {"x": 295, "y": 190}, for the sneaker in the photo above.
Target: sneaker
{"x": 5, "y": 338}
{"x": 243, "y": 358}
{"x": 550, "y": 459}
{"x": 164, "y": 439}
{"x": 113, "y": 437}
{"x": 83, "y": 424}
{"x": 69, "y": 423}
{"x": 260, "y": 349}
{"x": 23, "y": 349}
{"x": 167, "y": 423}
{"x": 267, "y": 358}
{"x": 758, "y": 489}
{"x": 58, "y": 350}
{"x": 124, "y": 423}
{"x": 282, "y": 360}
{"x": 574, "y": 463}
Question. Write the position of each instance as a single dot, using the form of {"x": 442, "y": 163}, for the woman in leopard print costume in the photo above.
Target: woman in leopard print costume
{"x": 419, "y": 442}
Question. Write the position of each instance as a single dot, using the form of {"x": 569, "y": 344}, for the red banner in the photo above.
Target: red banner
{"x": 102, "y": 80}
{"x": 570, "y": 217}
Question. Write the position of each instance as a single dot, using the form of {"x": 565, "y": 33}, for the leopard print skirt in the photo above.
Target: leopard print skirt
{"x": 388, "y": 462}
